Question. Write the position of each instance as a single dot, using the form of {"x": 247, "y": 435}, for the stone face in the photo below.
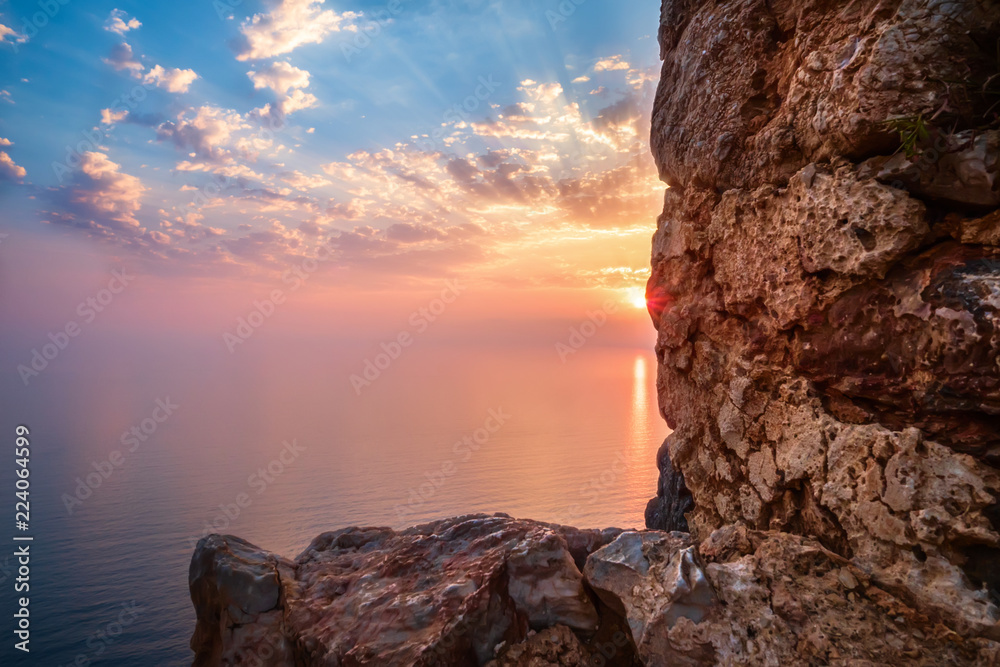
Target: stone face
{"x": 239, "y": 595}
{"x": 826, "y": 297}
{"x": 445, "y": 593}
{"x": 673, "y": 501}
{"x": 764, "y": 598}
{"x": 556, "y": 646}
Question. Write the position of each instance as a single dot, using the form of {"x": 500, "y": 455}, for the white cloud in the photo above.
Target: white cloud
{"x": 10, "y": 34}
{"x": 303, "y": 182}
{"x": 172, "y": 79}
{"x": 279, "y": 77}
{"x": 611, "y": 64}
{"x": 8, "y": 168}
{"x": 110, "y": 116}
{"x": 120, "y": 23}
{"x": 289, "y": 25}
{"x": 542, "y": 92}
{"x": 207, "y": 132}
{"x": 104, "y": 190}
{"x": 581, "y": 79}
{"x": 230, "y": 171}
{"x": 299, "y": 99}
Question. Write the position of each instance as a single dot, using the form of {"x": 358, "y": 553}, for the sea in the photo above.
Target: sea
{"x": 137, "y": 451}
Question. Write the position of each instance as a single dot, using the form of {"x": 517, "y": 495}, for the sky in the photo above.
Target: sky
{"x": 375, "y": 150}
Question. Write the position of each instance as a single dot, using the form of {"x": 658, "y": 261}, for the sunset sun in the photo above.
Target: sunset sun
{"x": 637, "y": 297}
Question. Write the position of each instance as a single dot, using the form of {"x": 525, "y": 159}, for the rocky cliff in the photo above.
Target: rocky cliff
{"x": 826, "y": 287}
{"x": 826, "y": 290}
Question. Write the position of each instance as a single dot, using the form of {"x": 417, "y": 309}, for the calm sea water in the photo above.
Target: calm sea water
{"x": 577, "y": 444}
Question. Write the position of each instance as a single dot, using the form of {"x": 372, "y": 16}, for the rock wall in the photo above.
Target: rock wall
{"x": 826, "y": 288}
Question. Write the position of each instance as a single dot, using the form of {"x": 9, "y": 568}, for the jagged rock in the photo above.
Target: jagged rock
{"x": 555, "y": 647}
{"x": 655, "y": 581}
{"x": 667, "y": 510}
{"x": 238, "y": 594}
{"x": 752, "y": 91}
{"x": 827, "y": 307}
{"x": 750, "y": 598}
{"x": 959, "y": 168}
{"x": 444, "y": 593}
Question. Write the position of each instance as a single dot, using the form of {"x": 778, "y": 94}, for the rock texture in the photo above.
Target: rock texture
{"x": 462, "y": 591}
{"x": 826, "y": 289}
{"x": 745, "y": 597}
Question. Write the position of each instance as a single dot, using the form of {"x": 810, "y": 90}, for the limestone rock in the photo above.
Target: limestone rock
{"x": 668, "y": 509}
{"x": 445, "y": 593}
{"x": 749, "y": 598}
{"x": 554, "y": 647}
{"x": 826, "y": 298}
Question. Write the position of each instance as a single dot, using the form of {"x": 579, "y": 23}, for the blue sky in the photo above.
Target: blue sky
{"x": 371, "y": 148}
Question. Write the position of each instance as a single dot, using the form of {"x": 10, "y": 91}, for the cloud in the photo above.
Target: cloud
{"x": 9, "y": 34}
{"x": 285, "y": 105}
{"x": 206, "y": 131}
{"x": 301, "y": 181}
{"x": 542, "y": 92}
{"x": 110, "y": 116}
{"x": 611, "y": 64}
{"x": 173, "y": 80}
{"x": 287, "y": 83}
{"x": 122, "y": 58}
{"x": 560, "y": 172}
{"x": 101, "y": 198}
{"x": 5, "y": 97}
{"x": 298, "y": 100}
{"x": 9, "y": 170}
{"x": 279, "y": 77}
{"x": 289, "y": 25}
{"x": 119, "y": 22}
{"x": 233, "y": 171}
{"x": 581, "y": 79}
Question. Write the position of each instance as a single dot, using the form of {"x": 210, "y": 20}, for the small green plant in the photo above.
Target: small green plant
{"x": 913, "y": 131}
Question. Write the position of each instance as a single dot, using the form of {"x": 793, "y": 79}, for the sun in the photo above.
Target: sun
{"x": 637, "y": 297}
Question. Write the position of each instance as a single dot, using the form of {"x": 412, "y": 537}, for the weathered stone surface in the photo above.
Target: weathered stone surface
{"x": 826, "y": 299}
{"x": 756, "y": 598}
{"x": 239, "y": 594}
{"x": 667, "y": 510}
{"x": 753, "y": 91}
{"x": 445, "y": 593}
{"x": 556, "y": 646}
{"x": 954, "y": 168}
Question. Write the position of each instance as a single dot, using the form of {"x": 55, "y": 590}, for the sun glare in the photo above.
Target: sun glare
{"x": 637, "y": 297}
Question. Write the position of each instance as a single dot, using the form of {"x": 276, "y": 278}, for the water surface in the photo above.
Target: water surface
{"x": 577, "y": 445}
